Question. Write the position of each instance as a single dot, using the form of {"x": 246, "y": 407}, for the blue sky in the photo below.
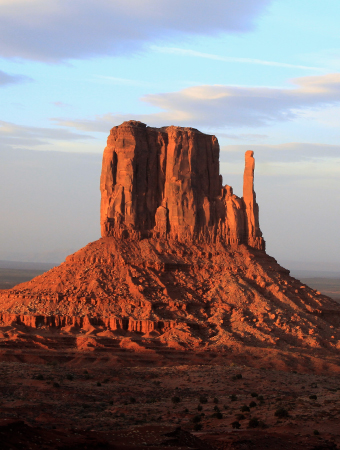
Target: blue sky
{"x": 261, "y": 75}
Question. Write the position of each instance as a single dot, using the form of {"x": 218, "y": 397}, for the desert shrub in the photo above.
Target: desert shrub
{"x": 240, "y": 417}
{"x": 236, "y": 425}
{"x": 313, "y": 397}
{"x": 281, "y": 413}
{"x": 199, "y": 407}
{"x": 245, "y": 408}
{"x": 197, "y": 418}
{"x": 69, "y": 376}
{"x": 253, "y": 394}
{"x": 252, "y": 404}
{"x": 197, "y": 427}
{"x": 40, "y": 376}
{"x": 316, "y": 432}
{"x": 216, "y": 408}
{"x": 175, "y": 399}
{"x": 260, "y": 397}
{"x": 85, "y": 372}
{"x": 253, "y": 422}
{"x": 132, "y": 400}
{"x": 203, "y": 399}
{"x": 99, "y": 383}
{"x": 233, "y": 398}
{"x": 56, "y": 385}
{"x": 216, "y": 400}
{"x": 218, "y": 415}
{"x": 238, "y": 376}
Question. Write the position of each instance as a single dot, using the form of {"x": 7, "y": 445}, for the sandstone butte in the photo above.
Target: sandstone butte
{"x": 181, "y": 262}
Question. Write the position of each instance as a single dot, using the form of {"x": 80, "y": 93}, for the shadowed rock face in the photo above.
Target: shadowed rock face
{"x": 165, "y": 183}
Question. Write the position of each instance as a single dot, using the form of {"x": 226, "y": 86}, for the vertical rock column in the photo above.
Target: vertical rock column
{"x": 252, "y": 229}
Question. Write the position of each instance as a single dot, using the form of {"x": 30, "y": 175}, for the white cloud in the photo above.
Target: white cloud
{"x": 261, "y": 62}
{"x": 219, "y": 106}
{"x": 6, "y": 78}
{"x": 14, "y": 136}
{"x": 56, "y": 30}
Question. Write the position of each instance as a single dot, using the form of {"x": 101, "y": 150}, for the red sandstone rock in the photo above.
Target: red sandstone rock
{"x": 181, "y": 262}
{"x": 165, "y": 183}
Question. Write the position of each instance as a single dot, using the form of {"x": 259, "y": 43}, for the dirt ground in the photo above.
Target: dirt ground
{"x": 97, "y": 403}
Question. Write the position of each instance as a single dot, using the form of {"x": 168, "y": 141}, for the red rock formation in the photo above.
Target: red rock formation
{"x": 181, "y": 262}
{"x": 252, "y": 227}
{"x": 165, "y": 183}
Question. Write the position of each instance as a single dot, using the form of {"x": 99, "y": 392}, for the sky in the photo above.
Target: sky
{"x": 261, "y": 75}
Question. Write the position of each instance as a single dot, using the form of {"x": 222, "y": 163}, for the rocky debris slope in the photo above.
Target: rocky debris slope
{"x": 197, "y": 296}
{"x": 181, "y": 262}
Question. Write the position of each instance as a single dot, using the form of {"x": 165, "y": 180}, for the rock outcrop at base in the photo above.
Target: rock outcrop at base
{"x": 165, "y": 183}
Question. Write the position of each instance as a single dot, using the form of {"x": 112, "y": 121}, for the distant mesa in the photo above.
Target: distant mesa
{"x": 181, "y": 262}
{"x": 165, "y": 183}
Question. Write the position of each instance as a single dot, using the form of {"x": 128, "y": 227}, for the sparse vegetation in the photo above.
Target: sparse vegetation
{"x": 253, "y": 422}
{"x": 175, "y": 399}
{"x": 40, "y": 376}
{"x": 252, "y": 404}
{"x": 281, "y": 413}
{"x": 203, "y": 399}
{"x": 238, "y": 376}
{"x": 233, "y": 398}
{"x": 313, "y": 397}
{"x": 245, "y": 408}
{"x": 236, "y": 425}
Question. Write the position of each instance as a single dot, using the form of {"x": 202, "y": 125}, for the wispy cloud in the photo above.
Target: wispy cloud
{"x": 14, "y": 136}
{"x": 60, "y": 104}
{"x": 220, "y": 106}
{"x": 119, "y": 81}
{"x": 230, "y": 59}
{"x": 58, "y": 30}
{"x": 6, "y": 78}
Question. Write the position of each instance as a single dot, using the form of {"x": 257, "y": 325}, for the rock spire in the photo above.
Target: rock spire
{"x": 165, "y": 183}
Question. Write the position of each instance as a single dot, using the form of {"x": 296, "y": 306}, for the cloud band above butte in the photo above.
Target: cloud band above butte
{"x": 228, "y": 106}
{"x": 61, "y": 29}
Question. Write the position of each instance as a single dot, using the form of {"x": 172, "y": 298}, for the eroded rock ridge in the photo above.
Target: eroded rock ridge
{"x": 165, "y": 183}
